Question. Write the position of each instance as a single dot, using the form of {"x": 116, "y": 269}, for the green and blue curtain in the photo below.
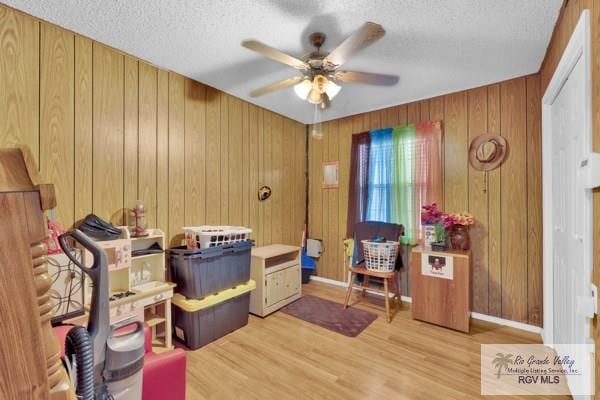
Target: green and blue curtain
{"x": 403, "y": 173}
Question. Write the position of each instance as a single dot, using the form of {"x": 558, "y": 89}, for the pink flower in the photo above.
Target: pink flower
{"x": 431, "y": 215}
{"x": 463, "y": 218}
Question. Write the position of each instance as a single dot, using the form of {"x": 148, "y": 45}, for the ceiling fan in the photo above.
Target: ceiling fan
{"x": 319, "y": 71}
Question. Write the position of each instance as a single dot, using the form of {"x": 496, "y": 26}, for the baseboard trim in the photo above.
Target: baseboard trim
{"x": 482, "y": 317}
{"x": 507, "y": 322}
{"x": 334, "y": 282}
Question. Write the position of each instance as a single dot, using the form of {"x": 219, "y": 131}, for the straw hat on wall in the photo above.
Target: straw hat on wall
{"x": 487, "y": 152}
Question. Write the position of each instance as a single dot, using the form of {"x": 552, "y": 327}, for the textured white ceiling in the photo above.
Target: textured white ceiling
{"x": 435, "y": 46}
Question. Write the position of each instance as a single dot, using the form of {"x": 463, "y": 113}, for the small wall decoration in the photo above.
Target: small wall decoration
{"x": 487, "y": 152}
{"x": 264, "y": 193}
{"x": 437, "y": 266}
{"x": 331, "y": 175}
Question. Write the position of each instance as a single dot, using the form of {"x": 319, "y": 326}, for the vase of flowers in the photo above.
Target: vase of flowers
{"x": 440, "y": 228}
{"x": 459, "y": 230}
{"x": 430, "y": 217}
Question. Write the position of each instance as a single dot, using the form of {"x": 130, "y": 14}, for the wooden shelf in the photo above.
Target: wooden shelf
{"x": 153, "y": 319}
{"x": 159, "y": 345}
{"x": 151, "y": 237}
{"x": 144, "y": 256}
{"x": 276, "y": 271}
{"x": 156, "y": 234}
{"x": 118, "y": 268}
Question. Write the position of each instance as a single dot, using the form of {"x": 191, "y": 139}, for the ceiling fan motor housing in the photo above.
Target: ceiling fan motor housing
{"x": 317, "y": 39}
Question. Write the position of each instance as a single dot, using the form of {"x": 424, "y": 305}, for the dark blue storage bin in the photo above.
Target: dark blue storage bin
{"x": 202, "y": 272}
{"x": 308, "y": 267}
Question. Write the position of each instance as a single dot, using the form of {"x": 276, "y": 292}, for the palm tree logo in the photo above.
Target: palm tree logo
{"x": 502, "y": 361}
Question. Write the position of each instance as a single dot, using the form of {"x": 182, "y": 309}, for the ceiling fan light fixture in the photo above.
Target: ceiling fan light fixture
{"x": 332, "y": 89}
{"x": 322, "y": 91}
{"x": 314, "y": 97}
{"x": 303, "y": 89}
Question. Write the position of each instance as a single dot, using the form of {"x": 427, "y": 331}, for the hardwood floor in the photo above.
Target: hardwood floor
{"x": 281, "y": 357}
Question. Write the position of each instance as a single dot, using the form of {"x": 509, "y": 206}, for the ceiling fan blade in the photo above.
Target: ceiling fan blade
{"x": 275, "y": 54}
{"x": 367, "y": 34}
{"x": 366, "y": 77}
{"x": 276, "y": 86}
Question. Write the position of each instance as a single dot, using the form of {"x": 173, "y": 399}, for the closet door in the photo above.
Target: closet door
{"x": 568, "y": 244}
{"x": 570, "y": 279}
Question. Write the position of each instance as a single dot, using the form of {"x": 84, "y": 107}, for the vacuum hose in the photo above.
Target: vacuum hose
{"x": 78, "y": 343}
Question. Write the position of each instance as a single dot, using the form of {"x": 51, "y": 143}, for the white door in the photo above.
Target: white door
{"x": 570, "y": 170}
{"x": 569, "y": 205}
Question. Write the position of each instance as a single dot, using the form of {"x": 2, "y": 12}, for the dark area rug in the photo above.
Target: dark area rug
{"x": 330, "y": 315}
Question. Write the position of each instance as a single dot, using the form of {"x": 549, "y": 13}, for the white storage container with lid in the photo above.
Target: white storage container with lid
{"x": 201, "y": 237}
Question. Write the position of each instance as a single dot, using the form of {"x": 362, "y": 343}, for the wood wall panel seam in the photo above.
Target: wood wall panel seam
{"x": 147, "y": 140}
{"x": 57, "y": 138}
{"x": 162, "y": 156}
{"x": 83, "y": 128}
{"x": 194, "y": 153}
{"x": 534, "y": 203}
{"x": 131, "y": 132}
{"x": 224, "y": 160}
{"x": 514, "y": 202}
{"x": 494, "y": 211}
{"x": 478, "y": 203}
{"x": 245, "y": 163}
{"x": 108, "y": 108}
{"x": 277, "y": 161}
{"x": 176, "y": 150}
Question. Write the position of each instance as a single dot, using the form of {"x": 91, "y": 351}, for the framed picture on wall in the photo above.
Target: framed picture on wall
{"x": 331, "y": 175}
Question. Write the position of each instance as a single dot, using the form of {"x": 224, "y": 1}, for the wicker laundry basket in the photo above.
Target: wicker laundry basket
{"x": 380, "y": 256}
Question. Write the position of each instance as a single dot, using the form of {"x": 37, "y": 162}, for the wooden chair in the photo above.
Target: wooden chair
{"x": 390, "y": 281}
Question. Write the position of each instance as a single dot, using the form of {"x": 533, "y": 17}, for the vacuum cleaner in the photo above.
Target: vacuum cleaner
{"x": 107, "y": 360}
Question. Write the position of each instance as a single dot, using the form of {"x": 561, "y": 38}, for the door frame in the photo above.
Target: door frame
{"x": 577, "y": 49}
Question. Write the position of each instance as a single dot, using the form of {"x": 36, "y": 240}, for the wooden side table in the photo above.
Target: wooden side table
{"x": 276, "y": 271}
{"x": 441, "y": 287}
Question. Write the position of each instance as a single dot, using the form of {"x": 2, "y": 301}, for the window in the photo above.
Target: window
{"x": 404, "y": 172}
{"x": 380, "y": 176}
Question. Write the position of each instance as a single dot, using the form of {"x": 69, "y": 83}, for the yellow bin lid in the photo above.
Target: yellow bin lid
{"x": 191, "y": 305}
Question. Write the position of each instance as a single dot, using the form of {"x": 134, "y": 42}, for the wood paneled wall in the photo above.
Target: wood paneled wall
{"x": 107, "y": 129}
{"x": 506, "y": 240}
{"x": 565, "y": 25}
